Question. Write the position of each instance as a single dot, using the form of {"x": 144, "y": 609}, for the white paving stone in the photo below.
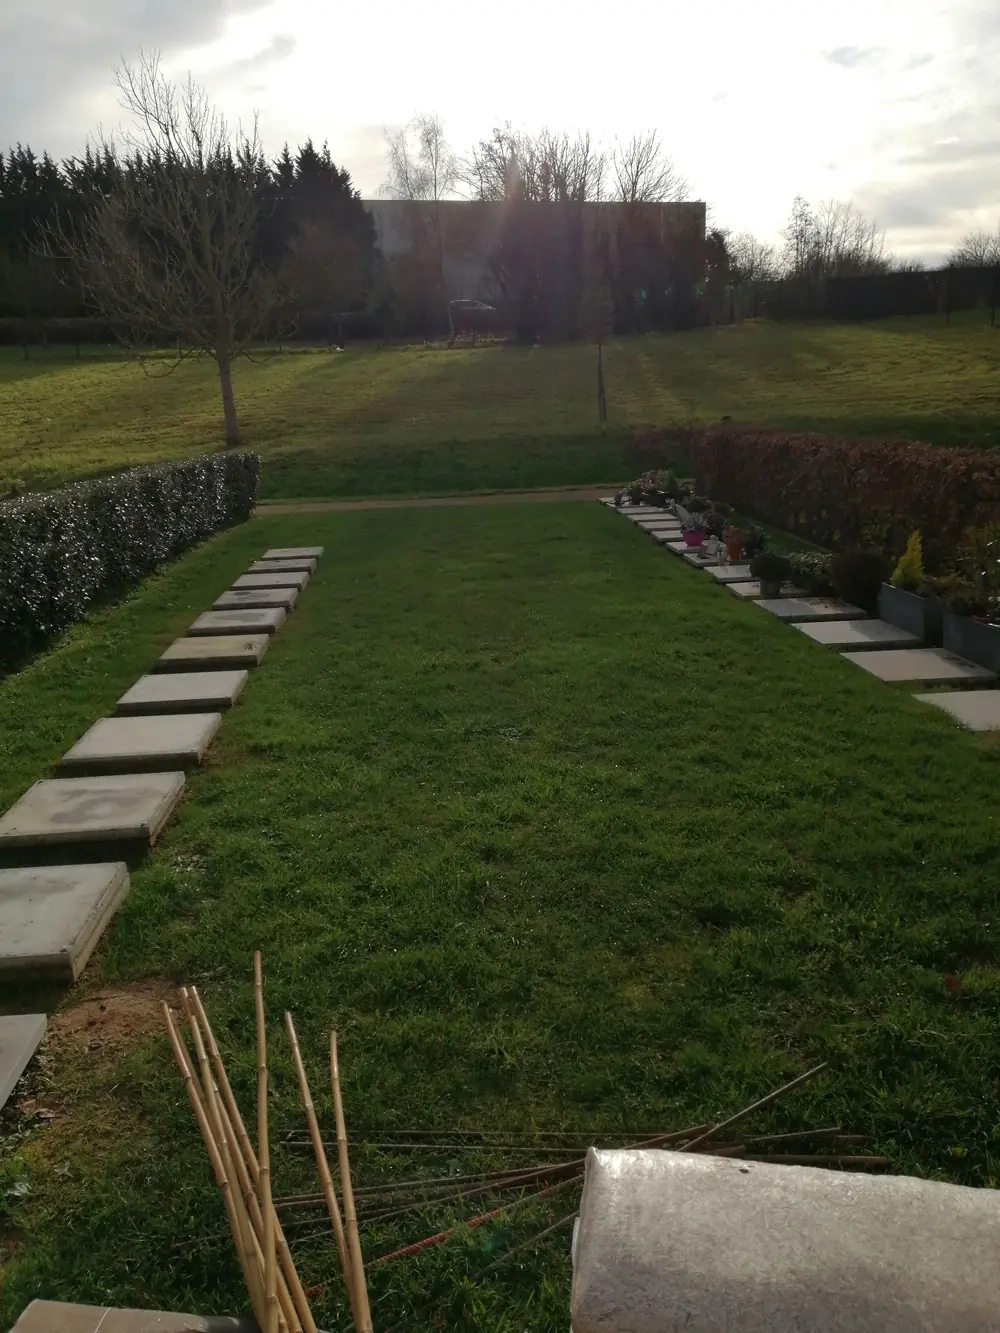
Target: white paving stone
{"x": 293, "y": 553}
{"x": 122, "y": 808}
{"x": 665, "y": 535}
{"x": 222, "y": 651}
{"x": 810, "y": 608}
{"x": 292, "y": 578}
{"x": 931, "y": 666}
{"x": 51, "y": 917}
{"x": 979, "y": 710}
{"x": 19, "y": 1038}
{"x": 751, "y": 591}
{"x": 858, "y": 634}
{"x": 255, "y": 620}
{"x": 711, "y": 563}
{"x": 731, "y": 573}
{"x": 147, "y": 744}
{"x": 182, "y": 692}
{"x": 249, "y": 598}
{"x": 281, "y": 566}
{"x": 678, "y": 548}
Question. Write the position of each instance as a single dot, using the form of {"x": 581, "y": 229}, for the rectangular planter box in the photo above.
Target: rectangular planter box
{"x": 973, "y": 640}
{"x": 908, "y": 610}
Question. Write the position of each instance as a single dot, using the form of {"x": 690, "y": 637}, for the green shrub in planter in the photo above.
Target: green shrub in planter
{"x": 812, "y": 570}
{"x": 858, "y": 576}
{"x": 59, "y": 550}
{"x": 771, "y": 570}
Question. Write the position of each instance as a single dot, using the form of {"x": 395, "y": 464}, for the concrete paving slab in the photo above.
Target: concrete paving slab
{"x": 51, "y": 917}
{"x": 223, "y": 652}
{"x": 293, "y": 553}
{"x": 665, "y": 535}
{"x": 751, "y": 591}
{"x": 931, "y": 666}
{"x": 661, "y": 526}
{"x": 253, "y": 620}
{"x": 703, "y": 562}
{"x": 290, "y": 578}
{"x": 149, "y": 744}
{"x": 731, "y": 573}
{"x": 245, "y": 598}
{"x": 19, "y": 1038}
{"x": 182, "y": 692}
{"x": 810, "y": 608}
{"x": 130, "y": 808}
{"x": 62, "y": 1317}
{"x": 678, "y": 547}
{"x": 281, "y": 566}
{"x": 979, "y": 710}
{"x": 858, "y": 634}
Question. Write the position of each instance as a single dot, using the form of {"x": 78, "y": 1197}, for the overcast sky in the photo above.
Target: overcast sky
{"x": 894, "y": 104}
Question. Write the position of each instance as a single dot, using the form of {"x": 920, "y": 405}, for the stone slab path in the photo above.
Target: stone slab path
{"x": 291, "y": 578}
{"x": 224, "y": 651}
{"x": 130, "y": 808}
{"x": 810, "y": 608}
{"x": 256, "y": 620}
{"x": 19, "y": 1038}
{"x": 293, "y": 553}
{"x": 931, "y": 666}
{"x": 979, "y": 710}
{"x": 731, "y": 573}
{"x": 59, "y": 1317}
{"x": 858, "y": 634}
{"x": 51, "y": 917}
{"x": 751, "y": 591}
{"x": 183, "y": 692}
{"x": 252, "y": 598}
{"x": 148, "y": 744}
{"x": 282, "y": 566}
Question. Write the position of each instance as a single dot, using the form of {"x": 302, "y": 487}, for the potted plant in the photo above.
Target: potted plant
{"x": 754, "y": 541}
{"x": 812, "y": 570}
{"x": 771, "y": 570}
{"x": 693, "y": 529}
{"x": 732, "y": 535}
{"x": 972, "y": 599}
{"x": 904, "y": 600}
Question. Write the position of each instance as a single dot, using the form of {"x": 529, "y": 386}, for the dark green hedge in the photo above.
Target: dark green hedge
{"x": 59, "y": 550}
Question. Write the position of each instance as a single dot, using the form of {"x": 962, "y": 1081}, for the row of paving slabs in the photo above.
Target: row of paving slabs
{"x": 887, "y": 651}
{"x": 67, "y": 843}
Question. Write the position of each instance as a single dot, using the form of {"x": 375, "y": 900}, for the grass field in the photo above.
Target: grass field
{"x": 561, "y": 836}
{"x": 409, "y": 420}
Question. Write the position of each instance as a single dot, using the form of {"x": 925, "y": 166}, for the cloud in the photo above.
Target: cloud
{"x": 850, "y": 57}
{"x": 59, "y": 55}
{"x": 280, "y": 47}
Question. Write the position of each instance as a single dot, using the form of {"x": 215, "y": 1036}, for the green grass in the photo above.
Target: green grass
{"x": 559, "y": 834}
{"x": 409, "y": 420}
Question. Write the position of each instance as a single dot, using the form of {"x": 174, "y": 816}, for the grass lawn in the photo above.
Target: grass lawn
{"x": 410, "y": 420}
{"x": 560, "y": 835}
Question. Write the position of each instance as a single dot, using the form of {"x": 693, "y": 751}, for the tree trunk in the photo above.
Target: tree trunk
{"x": 228, "y": 405}
{"x": 602, "y": 402}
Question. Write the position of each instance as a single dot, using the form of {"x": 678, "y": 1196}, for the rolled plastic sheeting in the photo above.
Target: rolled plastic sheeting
{"x": 674, "y": 1241}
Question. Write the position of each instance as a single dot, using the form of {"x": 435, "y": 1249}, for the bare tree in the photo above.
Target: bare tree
{"x": 642, "y": 172}
{"x": 751, "y": 259}
{"x": 420, "y": 162}
{"x": 835, "y": 241}
{"x": 169, "y": 252}
{"x": 543, "y": 167}
{"x": 979, "y": 249}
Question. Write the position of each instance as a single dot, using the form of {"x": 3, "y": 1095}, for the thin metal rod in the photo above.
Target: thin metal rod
{"x": 755, "y": 1106}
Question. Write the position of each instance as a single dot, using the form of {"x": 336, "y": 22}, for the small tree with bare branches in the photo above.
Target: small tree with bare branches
{"x": 168, "y": 253}
{"x": 978, "y": 249}
{"x": 643, "y": 173}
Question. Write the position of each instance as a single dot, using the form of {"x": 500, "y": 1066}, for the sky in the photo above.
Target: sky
{"x": 891, "y": 104}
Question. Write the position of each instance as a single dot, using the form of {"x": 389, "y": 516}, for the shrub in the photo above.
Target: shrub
{"x": 837, "y": 492}
{"x": 770, "y": 567}
{"x": 909, "y": 571}
{"x": 754, "y": 541}
{"x": 714, "y": 523}
{"x": 59, "y": 550}
{"x": 811, "y": 570}
{"x": 857, "y": 576}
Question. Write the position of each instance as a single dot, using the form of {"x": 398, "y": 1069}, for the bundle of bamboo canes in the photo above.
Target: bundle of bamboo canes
{"x": 243, "y": 1174}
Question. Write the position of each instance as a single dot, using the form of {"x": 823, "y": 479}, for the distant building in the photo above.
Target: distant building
{"x": 470, "y": 228}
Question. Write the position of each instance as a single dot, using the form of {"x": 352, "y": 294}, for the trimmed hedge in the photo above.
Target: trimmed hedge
{"x": 59, "y": 550}
{"x": 846, "y": 494}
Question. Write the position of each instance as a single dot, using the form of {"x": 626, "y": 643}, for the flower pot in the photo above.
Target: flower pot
{"x": 693, "y": 537}
{"x": 975, "y": 640}
{"x": 910, "y": 611}
{"x": 733, "y": 538}
{"x": 770, "y": 588}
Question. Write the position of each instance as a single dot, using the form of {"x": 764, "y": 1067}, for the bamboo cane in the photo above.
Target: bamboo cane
{"x": 235, "y": 1166}
{"x": 322, "y": 1165}
{"x": 363, "y": 1318}
{"x": 264, "y": 1153}
{"x": 248, "y": 1262}
{"x": 250, "y": 1159}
